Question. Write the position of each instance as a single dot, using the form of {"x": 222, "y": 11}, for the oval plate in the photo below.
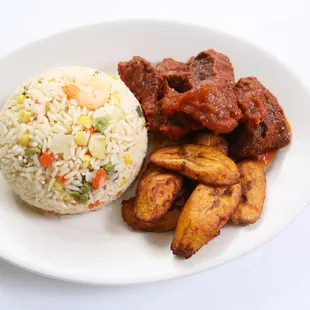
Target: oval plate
{"x": 98, "y": 247}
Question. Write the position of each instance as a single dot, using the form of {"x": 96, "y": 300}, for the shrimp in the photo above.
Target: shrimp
{"x": 92, "y": 101}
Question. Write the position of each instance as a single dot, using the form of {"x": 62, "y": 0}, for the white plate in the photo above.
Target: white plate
{"x": 98, "y": 247}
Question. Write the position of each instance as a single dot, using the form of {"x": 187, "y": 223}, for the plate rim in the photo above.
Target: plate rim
{"x": 52, "y": 272}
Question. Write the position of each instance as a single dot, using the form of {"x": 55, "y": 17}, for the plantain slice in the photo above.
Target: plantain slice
{"x": 156, "y": 191}
{"x": 210, "y": 139}
{"x": 198, "y": 162}
{"x": 167, "y": 222}
{"x": 205, "y": 213}
{"x": 253, "y": 185}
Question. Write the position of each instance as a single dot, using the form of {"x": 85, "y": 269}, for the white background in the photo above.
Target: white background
{"x": 276, "y": 276}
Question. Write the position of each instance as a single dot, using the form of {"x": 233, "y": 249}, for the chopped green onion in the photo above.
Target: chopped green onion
{"x": 101, "y": 124}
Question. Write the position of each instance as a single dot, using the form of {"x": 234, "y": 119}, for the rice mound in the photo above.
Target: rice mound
{"x": 71, "y": 140}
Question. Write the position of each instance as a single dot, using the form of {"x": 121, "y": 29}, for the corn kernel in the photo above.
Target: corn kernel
{"x": 24, "y": 116}
{"x": 24, "y": 139}
{"x": 117, "y": 97}
{"x": 86, "y": 121}
{"x": 127, "y": 159}
{"x": 59, "y": 186}
{"x": 67, "y": 197}
{"x": 47, "y": 108}
{"x": 86, "y": 160}
{"x": 123, "y": 182}
{"x": 80, "y": 138}
{"x": 20, "y": 99}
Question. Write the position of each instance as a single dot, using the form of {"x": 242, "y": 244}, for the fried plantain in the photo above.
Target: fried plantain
{"x": 181, "y": 198}
{"x": 156, "y": 191}
{"x": 198, "y": 162}
{"x": 253, "y": 185}
{"x": 210, "y": 139}
{"x": 167, "y": 222}
{"x": 205, "y": 213}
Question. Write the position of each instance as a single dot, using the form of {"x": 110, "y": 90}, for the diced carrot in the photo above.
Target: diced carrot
{"x": 60, "y": 179}
{"x": 100, "y": 175}
{"x": 51, "y": 211}
{"x": 46, "y": 159}
{"x": 92, "y": 129}
{"x": 93, "y": 205}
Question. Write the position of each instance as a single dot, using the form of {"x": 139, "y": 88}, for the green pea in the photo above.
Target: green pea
{"x": 85, "y": 188}
{"x": 32, "y": 151}
{"x": 109, "y": 168}
{"x": 75, "y": 195}
{"x": 84, "y": 197}
{"x": 29, "y": 163}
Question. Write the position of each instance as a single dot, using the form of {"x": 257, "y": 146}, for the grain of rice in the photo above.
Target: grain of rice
{"x": 68, "y": 181}
{"x": 70, "y": 175}
{"x": 76, "y": 183}
{"x": 63, "y": 172}
{"x": 54, "y": 173}
{"x": 72, "y": 188}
